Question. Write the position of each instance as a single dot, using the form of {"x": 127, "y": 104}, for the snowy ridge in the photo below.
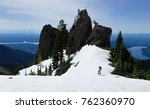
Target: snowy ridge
{"x": 34, "y": 68}
{"x": 81, "y": 76}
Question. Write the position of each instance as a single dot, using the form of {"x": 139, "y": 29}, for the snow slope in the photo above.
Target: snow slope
{"x": 80, "y": 77}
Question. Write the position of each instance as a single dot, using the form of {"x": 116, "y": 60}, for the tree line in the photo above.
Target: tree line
{"x": 124, "y": 63}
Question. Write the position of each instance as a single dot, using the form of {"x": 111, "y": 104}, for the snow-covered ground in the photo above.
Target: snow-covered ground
{"x": 136, "y": 51}
{"x": 83, "y": 77}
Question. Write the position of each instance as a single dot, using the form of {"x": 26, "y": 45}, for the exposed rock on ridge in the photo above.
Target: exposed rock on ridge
{"x": 79, "y": 32}
{"x": 100, "y": 36}
{"x": 46, "y": 42}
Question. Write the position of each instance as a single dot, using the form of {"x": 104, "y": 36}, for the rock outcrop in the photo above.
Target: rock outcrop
{"x": 46, "y": 42}
{"x": 4, "y": 71}
{"x": 100, "y": 36}
{"x": 79, "y": 32}
{"x": 52, "y": 41}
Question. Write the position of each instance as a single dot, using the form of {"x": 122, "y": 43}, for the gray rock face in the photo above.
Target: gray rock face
{"x": 79, "y": 32}
{"x": 46, "y": 42}
{"x": 4, "y": 71}
{"x": 100, "y": 36}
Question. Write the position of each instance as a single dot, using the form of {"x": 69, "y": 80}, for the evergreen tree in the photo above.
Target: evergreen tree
{"x": 136, "y": 67}
{"x": 55, "y": 54}
{"x": 122, "y": 59}
{"x": 112, "y": 54}
{"x": 117, "y": 69}
{"x": 63, "y": 38}
{"x": 32, "y": 73}
{"x": 126, "y": 54}
{"x": 95, "y": 22}
{"x": 63, "y": 33}
{"x": 118, "y": 44}
{"x": 61, "y": 25}
{"x": 120, "y": 69}
{"x": 60, "y": 44}
{"x": 46, "y": 71}
{"x": 50, "y": 70}
{"x": 39, "y": 72}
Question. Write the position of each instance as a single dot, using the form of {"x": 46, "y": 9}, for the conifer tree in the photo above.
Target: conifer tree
{"x": 32, "y": 73}
{"x": 50, "y": 70}
{"x": 60, "y": 44}
{"x": 62, "y": 38}
{"x": 124, "y": 63}
{"x": 121, "y": 59}
{"x": 119, "y": 69}
{"x": 95, "y": 22}
{"x": 130, "y": 65}
{"x": 55, "y": 54}
{"x": 118, "y": 44}
{"x": 39, "y": 72}
{"x": 46, "y": 70}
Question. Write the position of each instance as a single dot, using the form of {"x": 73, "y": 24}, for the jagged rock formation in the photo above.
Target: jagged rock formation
{"x": 100, "y": 36}
{"x": 4, "y": 71}
{"x": 46, "y": 42}
{"x": 79, "y": 32}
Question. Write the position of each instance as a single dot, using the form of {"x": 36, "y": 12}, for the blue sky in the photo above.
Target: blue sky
{"x": 130, "y": 16}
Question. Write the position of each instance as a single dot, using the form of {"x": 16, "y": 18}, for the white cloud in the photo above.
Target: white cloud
{"x": 44, "y": 8}
{"x": 43, "y": 11}
{"x": 51, "y": 11}
{"x": 25, "y": 14}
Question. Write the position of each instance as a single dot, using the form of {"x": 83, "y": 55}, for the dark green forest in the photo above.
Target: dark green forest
{"x": 125, "y": 64}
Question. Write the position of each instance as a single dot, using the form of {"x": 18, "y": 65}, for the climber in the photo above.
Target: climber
{"x": 99, "y": 70}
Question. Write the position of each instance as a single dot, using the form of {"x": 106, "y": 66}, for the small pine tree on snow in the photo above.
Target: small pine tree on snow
{"x": 130, "y": 65}
{"x": 50, "y": 70}
{"x": 46, "y": 71}
{"x": 32, "y": 73}
{"x": 39, "y": 72}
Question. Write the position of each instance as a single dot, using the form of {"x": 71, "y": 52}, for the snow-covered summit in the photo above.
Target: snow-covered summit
{"x": 81, "y": 76}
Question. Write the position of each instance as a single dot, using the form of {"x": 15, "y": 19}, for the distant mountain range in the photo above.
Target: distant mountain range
{"x": 11, "y": 58}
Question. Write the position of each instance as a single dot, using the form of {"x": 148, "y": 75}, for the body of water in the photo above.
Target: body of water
{"x": 138, "y": 44}
{"x": 21, "y": 41}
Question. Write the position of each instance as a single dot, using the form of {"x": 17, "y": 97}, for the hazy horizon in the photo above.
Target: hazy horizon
{"x": 39, "y": 31}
